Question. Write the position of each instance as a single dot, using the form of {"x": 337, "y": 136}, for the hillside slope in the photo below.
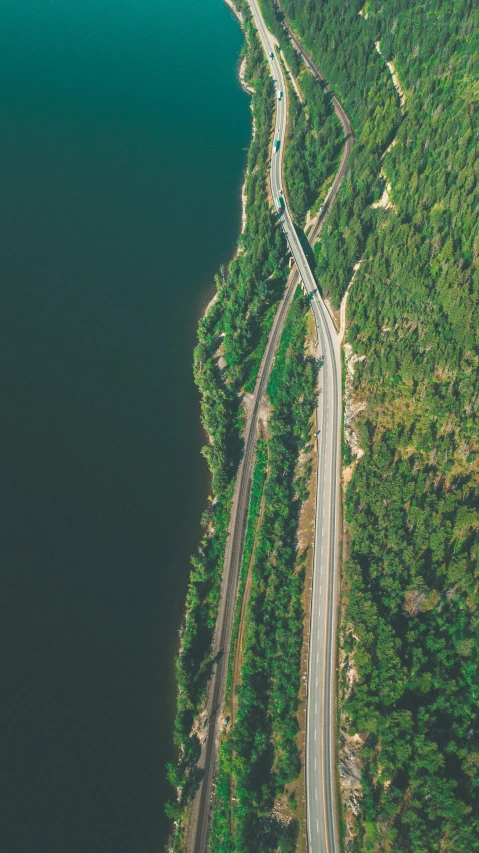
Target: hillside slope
{"x": 409, "y": 636}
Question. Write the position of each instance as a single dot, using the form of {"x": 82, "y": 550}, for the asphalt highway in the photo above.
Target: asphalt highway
{"x": 320, "y": 757}
{"x": 321, "y": 803}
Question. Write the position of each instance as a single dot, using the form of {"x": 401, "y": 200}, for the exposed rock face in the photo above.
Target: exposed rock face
{"x": 350, "y": 762}
{"x": 350, "y": 767}
{"x": 352, "y": 408}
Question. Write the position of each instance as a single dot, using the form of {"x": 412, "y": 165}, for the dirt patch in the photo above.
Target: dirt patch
{"x": 344, "y": 302}
{"x": 390, "y": 146}
{"x": 385, "y": 201}
{"x": 242, "y": 78}
{"x": 352, "y": 409}
{"x": 333, "y": 313}
{"x": 348, "y": 474}
{"x": 210, "y": 304}
{"x": 395, "y": 78}
{"x": 305, "y": 532}
{"x": 397, "y": 85}
{"x": 200, "y": 726}
{"x": 263, "y": 410}
{"x": 219, "y": 354}
{"x": 311, "y": 346}
{"x": 281, "y": 811}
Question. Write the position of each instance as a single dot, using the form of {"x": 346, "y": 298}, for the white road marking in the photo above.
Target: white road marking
{"x": 327, "y": 380}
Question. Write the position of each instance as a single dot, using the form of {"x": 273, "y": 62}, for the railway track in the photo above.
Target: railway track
{"x": 199, "y": 825}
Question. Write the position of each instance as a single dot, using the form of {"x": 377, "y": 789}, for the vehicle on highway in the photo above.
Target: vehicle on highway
{"x": 276, "y": 145}
{"x": 321, "y": 817}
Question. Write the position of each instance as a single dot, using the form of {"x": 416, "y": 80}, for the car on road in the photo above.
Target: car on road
{"x": 271, "y": 54}
{"x": 280, "y": 95}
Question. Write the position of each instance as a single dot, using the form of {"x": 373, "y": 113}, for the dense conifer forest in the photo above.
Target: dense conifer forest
{"x": 410, "y": 624}
{"x": 313, "y": 148}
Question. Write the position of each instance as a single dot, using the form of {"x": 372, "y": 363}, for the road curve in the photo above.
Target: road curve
{"x": 338, "y": 109}
{"x": 345, "y": 123}
{"x": 199, "y": 824}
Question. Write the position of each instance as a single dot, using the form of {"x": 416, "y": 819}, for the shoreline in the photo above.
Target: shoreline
{"x": 244, "y": 199}
{"x": 236, "y": 12}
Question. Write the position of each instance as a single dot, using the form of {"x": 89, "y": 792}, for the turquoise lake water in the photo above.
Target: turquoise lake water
{"x": 122, "y": 148}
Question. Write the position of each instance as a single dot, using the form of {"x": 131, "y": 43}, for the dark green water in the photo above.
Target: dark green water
{"x": 121, "y": 155}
